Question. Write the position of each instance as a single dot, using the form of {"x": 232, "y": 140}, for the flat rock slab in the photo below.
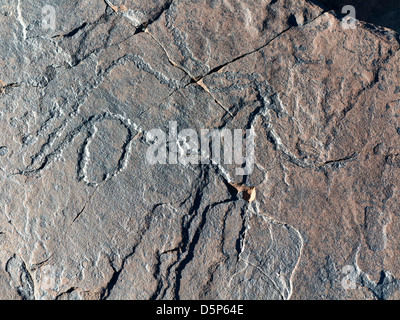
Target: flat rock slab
{"x": 84, "y": 214}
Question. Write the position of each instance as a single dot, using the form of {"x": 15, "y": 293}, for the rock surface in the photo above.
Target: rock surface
{"x": 83, "y": 213}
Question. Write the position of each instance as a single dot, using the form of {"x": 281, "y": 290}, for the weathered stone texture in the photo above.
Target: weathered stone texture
{"x": 83, "y": 215}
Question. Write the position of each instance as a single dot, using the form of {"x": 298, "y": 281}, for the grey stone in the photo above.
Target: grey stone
{"x": 83, "y": 213}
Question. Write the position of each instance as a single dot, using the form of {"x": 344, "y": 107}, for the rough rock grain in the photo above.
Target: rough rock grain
{"x": 83, "y": 215}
